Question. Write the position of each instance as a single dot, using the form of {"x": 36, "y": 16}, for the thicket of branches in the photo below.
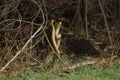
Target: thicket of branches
{"x": 94, "y": 20}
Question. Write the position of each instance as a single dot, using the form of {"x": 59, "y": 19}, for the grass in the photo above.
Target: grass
{"x": 81, "y": 73}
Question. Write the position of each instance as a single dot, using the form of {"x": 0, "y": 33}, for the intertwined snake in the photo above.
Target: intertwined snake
{"x": 56, "y": 37}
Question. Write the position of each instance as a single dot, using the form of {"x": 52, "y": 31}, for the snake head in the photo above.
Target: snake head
{"x": 52, "y": 23}
{"x": 59, "y": 24}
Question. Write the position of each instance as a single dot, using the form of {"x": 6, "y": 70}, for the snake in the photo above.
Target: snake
{"x": 55, "y": 36}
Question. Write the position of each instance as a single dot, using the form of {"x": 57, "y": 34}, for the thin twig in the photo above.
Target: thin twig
{"x": 86, "y": 19}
